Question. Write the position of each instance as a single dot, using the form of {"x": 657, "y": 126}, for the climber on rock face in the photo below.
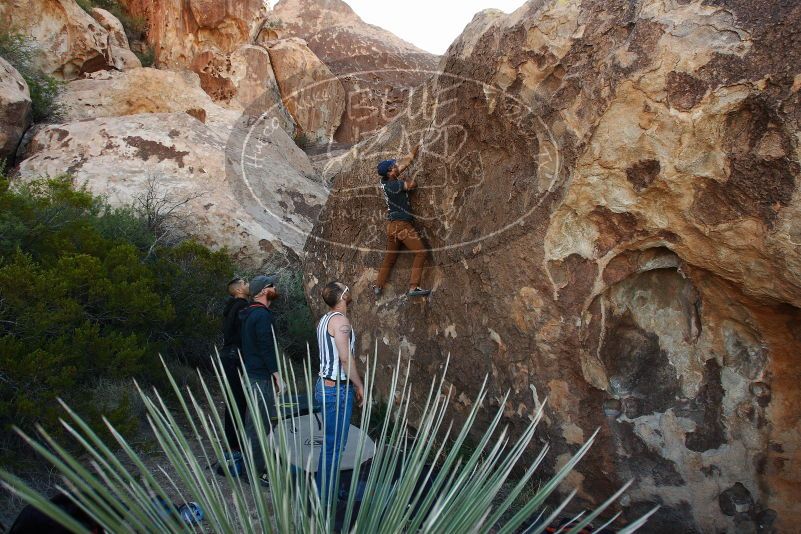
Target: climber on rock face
{"x": 399, "y": 223}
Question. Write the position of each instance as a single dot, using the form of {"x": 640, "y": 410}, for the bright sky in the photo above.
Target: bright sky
{"x": 428, "y": 24}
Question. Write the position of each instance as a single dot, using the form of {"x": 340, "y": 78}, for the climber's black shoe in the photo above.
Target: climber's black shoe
{"x": 419, "y": 292}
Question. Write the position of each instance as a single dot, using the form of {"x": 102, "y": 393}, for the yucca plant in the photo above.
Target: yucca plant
{"x": 414, "y": 483}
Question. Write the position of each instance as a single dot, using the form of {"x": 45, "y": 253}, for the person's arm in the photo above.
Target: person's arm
{"x": 405, "y": 161}
{"x": 409, "y": 183}
{"x": 342, "y": 329}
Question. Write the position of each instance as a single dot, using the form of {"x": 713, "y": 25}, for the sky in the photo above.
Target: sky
{"x": 428, "y": 24}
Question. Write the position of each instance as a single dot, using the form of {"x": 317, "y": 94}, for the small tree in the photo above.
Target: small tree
{"x": 164, "y": 213}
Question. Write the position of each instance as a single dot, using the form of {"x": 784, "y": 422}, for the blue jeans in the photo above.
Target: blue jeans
{"x": 336, "y": 403}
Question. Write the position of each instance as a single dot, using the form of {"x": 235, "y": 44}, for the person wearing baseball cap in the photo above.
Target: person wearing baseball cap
{"x": 260, "y": 360}
{"x": 400, "y": 229}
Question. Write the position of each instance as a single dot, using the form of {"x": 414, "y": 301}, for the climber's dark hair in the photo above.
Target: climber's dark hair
{"x": 332, "y": 292}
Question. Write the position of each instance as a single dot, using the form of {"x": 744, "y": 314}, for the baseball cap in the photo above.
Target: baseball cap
{"x": 258, "y": 283}
{"x": 384, "y": 167}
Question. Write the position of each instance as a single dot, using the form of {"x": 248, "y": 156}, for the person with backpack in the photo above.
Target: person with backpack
{"x": 338, "y": 381}
{"x": 239, "y": 291}
{"x": 400, "y": 229}
{"x": 261, "y": 362}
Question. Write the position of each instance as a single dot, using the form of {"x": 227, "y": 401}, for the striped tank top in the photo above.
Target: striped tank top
{"x": 329, "y": 356}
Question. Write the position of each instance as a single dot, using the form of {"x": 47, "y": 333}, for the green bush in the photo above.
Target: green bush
{"x": 276, "y": 24}
{"x": 193, "y": 278}
{"x": 294, "y": 324}
{"x": 86, "y": 5}
{"x": 19, "y": 50}
{"x": 85, "y": 296}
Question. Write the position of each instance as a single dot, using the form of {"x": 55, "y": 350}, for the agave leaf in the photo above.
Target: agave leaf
{"x": 415, "y": 482}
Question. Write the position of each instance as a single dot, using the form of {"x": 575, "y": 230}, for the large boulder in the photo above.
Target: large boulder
{"x": 255, "y": 216}
{"x": 311, "y": 93}
{"x": 377, "y": 69}
{"x": 122, "y": 56}
{"x": 112, "y": 25}
{"x": 69, "y": 42}
{"x": 145, "y": 90}
{"x": 15, "y": 109}
{"x": 611, "y": 196}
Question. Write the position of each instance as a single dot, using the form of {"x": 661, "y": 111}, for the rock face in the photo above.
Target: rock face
{"x": 253, "y": 215}
{"x": 15, "y": 109}
{"x": 215, "y": 40}
{"x": 179, "y": 30}
{"x": 611, "y": 194}
{"x": 312, "y": 94}
{"x": 376, "y": 68}
{"x": 146, "y": 90}
{"x": 244, "y": 79}
{"x": 70, "y": 42}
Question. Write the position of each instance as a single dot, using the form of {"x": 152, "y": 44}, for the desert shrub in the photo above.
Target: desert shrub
{"x": 276, "y": 24}
{"x": 193, "y": 278}
{"x": 85, "y": 296}
{"x": 67, "y": 323}
{"x": 294, "y": 323}
{"x": 86, "y": 5}
{"x": 20, "y": 50}
{"x": 110, "y": 395}
{"x": 125, "y": 224}
{"x": 135, "y": 27}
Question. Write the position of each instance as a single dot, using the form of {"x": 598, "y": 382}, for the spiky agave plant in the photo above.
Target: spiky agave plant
{"x": 402, "y": 492}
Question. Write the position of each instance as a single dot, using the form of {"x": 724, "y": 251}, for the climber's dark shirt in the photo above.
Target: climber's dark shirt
{"x": 398, "y": 206}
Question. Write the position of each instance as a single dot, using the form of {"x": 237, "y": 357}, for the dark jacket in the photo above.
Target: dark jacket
{"x": 232, "y": 325}
{"x": 258, "y": 348}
